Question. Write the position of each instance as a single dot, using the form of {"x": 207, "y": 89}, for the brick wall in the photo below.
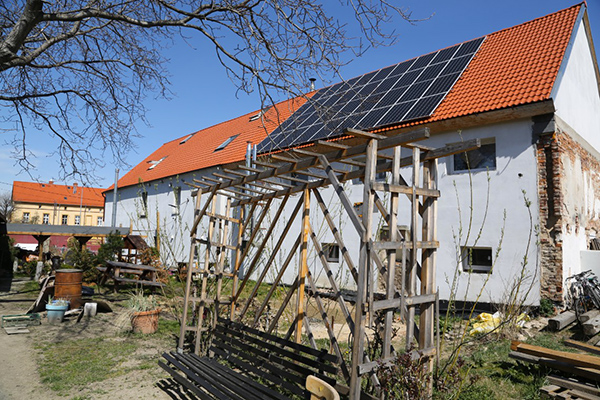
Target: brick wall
{"x": 568, "y": 186}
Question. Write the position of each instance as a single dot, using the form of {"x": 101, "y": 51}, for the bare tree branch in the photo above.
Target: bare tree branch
{"x": 80, "y": 69}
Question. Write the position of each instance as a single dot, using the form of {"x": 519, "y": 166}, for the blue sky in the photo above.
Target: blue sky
{"x": 204, "y": 96}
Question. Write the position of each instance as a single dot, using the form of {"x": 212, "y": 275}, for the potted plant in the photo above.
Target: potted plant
{"x": 56, "y": 309}
{"x": 144, "y": 312}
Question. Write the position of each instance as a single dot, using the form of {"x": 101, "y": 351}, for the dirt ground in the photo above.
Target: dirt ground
{"x": 19, "y": 375}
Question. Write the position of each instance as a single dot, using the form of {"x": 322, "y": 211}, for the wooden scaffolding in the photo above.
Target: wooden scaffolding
{"x": 234, "y": 205}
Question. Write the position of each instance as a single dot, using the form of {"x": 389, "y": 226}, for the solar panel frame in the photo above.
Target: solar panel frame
{"x": 409, "y": 90}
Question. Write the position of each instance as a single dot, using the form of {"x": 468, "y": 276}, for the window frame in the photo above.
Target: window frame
{"x": 484, "y": 142}
{"x": 46, "y": 219}
{"x": 470, "y": 267}
{"x": 77, "y": 220}
{"x": 331, "y": 252}
{"x": 26, "y": 217}
{"x": 64, "y": 219}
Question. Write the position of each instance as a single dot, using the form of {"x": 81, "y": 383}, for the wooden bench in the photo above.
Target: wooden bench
{"x": 250, "y": 364}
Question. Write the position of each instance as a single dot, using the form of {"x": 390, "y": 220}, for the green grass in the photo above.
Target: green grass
{"x": 79, "y": 362}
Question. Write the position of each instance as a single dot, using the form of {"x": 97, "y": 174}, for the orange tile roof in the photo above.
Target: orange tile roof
{"x": 49, "y": 193}
{"x": 514, "y": 66}
{"x": 198, "y": 151}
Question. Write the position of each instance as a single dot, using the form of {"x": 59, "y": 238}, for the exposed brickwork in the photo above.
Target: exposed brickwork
{"x": 559, "y": 215}
{"x": 549, "y": 196}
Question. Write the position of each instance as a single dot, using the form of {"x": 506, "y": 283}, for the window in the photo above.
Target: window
{"x": 144, "y": 198}
{"x": 153, "y": 164}
{"x": 25, "y": 217}
{"x": 481, "y": 159}
{"x": 99, "y": 221}
{"x": 46, "y": 219}
{"x": 332, "y": 252}
{"x": 176, "y": 199}
{"x": 186, "y": 138}
{"x": 225, "y": 143}
{"x": 65, "y": 220}
{"x": 77, "y": 220}
{"x": 477, "y": 259}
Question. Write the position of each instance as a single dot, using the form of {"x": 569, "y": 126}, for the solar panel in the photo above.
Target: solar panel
{"x": 406, "y": 91}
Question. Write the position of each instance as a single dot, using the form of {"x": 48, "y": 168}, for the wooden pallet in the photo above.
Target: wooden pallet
{"x": 559, "y": 392}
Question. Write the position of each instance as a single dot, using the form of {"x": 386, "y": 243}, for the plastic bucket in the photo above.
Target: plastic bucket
{"x": 67, "y": 285}
{"x": 56, "y": 313}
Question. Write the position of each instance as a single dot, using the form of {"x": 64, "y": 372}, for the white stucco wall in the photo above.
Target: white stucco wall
{"x": 577, "y": 101}
{"x": 576, "y": 93}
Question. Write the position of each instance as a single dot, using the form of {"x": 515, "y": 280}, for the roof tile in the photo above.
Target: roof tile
{"x": 49, "y": 193}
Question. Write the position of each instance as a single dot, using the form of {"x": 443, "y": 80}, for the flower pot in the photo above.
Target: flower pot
{"x": 56, "y": 313}
{"x": 145, "y": 321}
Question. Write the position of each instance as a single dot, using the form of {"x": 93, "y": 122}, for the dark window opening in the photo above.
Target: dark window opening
{"x": 483, "y": 158}
{"x": 332, "y": 252}
{"x": 477, "y": 260}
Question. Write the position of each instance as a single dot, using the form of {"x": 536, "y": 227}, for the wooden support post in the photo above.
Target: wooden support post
{"x": 363, "y": 271}
{"x": 221, "y": 261}
{"x": 238, "y": 256}
{"x": 203, "y": 295}
{"x": 188, "y": 279}
{"x": 390, "y": 287}
{"x": 411, "y": 284}
{"x": 427, "y": 316}
{"x": 303, "y": 266}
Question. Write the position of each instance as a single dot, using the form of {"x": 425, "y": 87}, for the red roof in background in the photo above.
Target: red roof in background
{"x": 514, "y": 66}
{"x": 50, "y": 193}
{"x": 198, "y": 151}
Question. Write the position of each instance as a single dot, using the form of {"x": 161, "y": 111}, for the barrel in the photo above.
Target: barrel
{"x": 67, "y": 285}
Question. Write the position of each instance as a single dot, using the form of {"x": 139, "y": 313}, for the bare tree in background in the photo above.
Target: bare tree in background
{"x": 6, "y": 206}
{"x": 79, "y": 69}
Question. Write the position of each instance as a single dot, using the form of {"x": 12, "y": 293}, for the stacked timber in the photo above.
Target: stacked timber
{"x": 583, "y": 369}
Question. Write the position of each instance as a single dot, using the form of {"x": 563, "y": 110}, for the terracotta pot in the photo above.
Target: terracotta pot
{"x": 145, "y": 321}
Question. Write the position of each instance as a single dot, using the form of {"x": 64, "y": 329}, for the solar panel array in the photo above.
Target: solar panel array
{"x": 407, "y": 91}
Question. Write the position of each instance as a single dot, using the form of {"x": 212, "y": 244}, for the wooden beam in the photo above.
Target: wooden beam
{"x": 580, "y": 360}
{"x": 334, "y": 145}
{"x": 582, "y": 346}
{"x": 274, "y": 170}
{"x": 303, "y": 266}
{"x": 397, "y": 188}
{"x": 363, "y": 134}
{"x": 382, "y": 166}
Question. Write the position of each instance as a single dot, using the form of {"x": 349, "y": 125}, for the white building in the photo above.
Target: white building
{"x": 526, "y": 205}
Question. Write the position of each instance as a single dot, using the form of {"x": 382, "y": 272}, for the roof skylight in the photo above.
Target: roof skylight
{"x": 185, "y": 139}
{"x": 155, "y": 163}
{"x": 226, "y": 143}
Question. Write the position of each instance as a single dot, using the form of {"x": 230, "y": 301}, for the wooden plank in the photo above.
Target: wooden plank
{"x": 397, "y": 188}
{"x": 573, "y": 384}
{"x": 561, "y": 321}
{"x": 131, "y": 266}
{"x": 582, "y": 346}
{"x": 303, "y": 266}
{"x": 409, "y": 245}
{"x": 580, "y": 360}
{"x": 587, "y": 373}
{"x": 363, "y": 134}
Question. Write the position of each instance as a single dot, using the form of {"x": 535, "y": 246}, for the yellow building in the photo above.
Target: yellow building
{"x": 50, "y": 204}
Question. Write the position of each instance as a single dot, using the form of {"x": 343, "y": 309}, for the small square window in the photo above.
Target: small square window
{"x": 481, "y": 159}
{"x": 25, "y": 217}
{"x": 477, "y": 259}
{"x": 332, "y": 252}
